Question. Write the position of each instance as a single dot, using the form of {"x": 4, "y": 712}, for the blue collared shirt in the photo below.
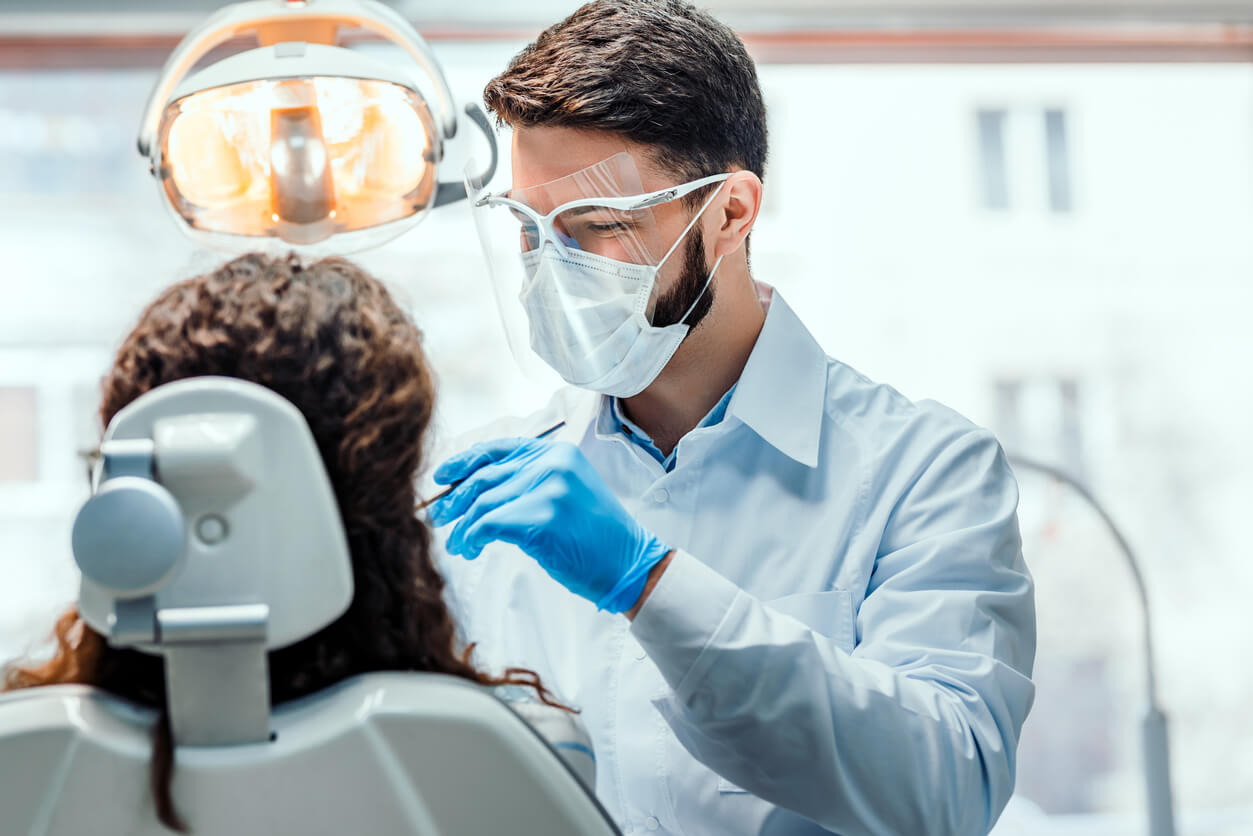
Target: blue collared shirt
{"x": 844, "y": 639}
{"x": 615, "y": 416}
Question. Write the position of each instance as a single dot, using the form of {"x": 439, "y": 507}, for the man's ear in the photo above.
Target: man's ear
{"x": 737, "y": 209}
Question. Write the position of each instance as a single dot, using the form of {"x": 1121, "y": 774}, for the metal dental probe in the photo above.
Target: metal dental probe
{"x": 458, "y": 483}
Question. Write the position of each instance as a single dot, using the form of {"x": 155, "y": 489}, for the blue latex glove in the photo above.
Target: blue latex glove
{"x": 546, "y": 498}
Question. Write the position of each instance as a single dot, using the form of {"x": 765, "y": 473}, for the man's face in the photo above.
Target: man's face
{"x": 542, "y": 155}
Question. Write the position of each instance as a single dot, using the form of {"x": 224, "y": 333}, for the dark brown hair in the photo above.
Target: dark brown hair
{"x": 329, "y": 338}
{"x": 660, "y": 73}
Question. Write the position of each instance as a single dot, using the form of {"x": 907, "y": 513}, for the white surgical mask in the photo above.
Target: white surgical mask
{"x": 588, "y": 317}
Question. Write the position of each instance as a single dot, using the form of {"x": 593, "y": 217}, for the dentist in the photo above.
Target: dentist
{"x": 788, "y": 599}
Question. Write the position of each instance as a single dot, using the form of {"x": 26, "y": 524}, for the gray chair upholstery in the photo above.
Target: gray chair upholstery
{"x": 212, "y": 538}
{"x": 385, "y": 753}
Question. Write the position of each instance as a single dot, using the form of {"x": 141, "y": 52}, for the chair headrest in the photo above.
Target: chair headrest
{"x": 210, "y": 493}
{"x": 212, "y": 536}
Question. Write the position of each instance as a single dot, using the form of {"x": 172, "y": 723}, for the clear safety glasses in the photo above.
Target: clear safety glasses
{"x": 607, "y": 226}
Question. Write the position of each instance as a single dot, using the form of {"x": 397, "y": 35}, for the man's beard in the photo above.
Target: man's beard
{"x": 675, "y": 302}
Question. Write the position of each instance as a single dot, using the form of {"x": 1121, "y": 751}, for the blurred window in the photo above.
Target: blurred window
{"x": 1041, "y": 415}
{"x": 19, "y": 434}
{"x": 994, "y": 178}
{"x": 1058, "y": 160}
{"x": 51, "y": 151}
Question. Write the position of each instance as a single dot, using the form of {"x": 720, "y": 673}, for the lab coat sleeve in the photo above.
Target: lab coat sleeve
{"x": 915, "y": 731}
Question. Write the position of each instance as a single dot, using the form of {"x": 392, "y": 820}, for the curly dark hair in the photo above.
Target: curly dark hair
{"x": 329, "y": 338}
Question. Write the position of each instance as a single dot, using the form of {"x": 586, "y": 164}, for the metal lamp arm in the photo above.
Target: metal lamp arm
{"x": 1123, "y": 546}
{"x": 1154, "y": 738}
{"x": 452, "y": 191}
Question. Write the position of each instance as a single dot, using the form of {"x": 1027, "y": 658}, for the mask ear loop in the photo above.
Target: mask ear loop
{"x": 689, "y": 226}
{"x": 675, "y": 245}
{"x": 701, "y": 295}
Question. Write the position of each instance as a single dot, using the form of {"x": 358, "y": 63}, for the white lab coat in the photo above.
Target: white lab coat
{"x": 844, "y": 639}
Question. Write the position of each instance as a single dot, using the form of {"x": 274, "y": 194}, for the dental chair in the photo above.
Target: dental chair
{"x": 212, "y": 537}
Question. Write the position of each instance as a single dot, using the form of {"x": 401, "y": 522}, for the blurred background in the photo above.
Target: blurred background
{"x": 1038, "y": 213}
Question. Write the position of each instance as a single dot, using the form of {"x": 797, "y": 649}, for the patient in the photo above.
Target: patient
{"x": 327, "y": 337}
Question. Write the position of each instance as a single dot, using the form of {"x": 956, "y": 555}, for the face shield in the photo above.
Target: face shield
{"x": 573, "y": 263}
{"x": 301, "y": 141}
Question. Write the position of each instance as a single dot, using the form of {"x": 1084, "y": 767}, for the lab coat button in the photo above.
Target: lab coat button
{"x": 651, "y": 823}
{"x": 661, "y": 495}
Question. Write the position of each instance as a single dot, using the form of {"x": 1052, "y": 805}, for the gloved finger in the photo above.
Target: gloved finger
{"x": 487, "y": 502}
{"x": 513, "y": 522}
{"x": 458, "y": 467}
{"x": 454, "y": 503}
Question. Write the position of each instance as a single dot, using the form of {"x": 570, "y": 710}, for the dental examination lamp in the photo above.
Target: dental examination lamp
{"x": 213, "y": 537}
{"x": 300, "y": 139}
{"x": 1154, "y": 741}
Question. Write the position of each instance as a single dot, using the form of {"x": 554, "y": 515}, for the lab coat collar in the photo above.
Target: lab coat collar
{"x": 781, "y": 394}
{"x": 782, "y": 391}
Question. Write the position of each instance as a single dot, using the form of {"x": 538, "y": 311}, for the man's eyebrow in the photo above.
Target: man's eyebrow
{"x": 622, "y": 215}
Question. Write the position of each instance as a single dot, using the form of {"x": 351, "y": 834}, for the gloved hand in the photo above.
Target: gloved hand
{"x": 546, "y": 498}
